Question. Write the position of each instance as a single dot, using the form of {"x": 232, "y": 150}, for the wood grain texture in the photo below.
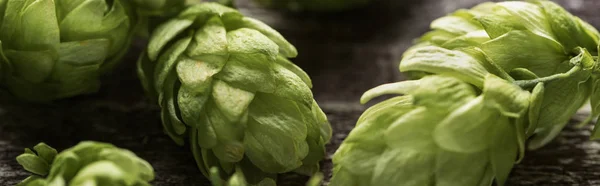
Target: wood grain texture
{"x": 345, "y": 53}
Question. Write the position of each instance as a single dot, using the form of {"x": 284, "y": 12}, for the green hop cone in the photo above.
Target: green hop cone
{"x": 523, "y": 42}
{"x": 58, "y": 48}
{"x": 315, "y": 5}
{"x": 223, "y": 81}
{"x": 87, "y": 163}
{"x": 441, "y": 131}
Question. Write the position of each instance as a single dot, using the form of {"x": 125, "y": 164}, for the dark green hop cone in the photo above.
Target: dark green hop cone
{"x": 223, "y": 82}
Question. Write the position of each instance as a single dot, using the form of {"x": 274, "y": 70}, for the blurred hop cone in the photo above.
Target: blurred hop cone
{"x": 87, "y": 163}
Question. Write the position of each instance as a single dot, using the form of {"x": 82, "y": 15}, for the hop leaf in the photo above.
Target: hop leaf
{"x": 84, "y": 164}
{"x": 224, "y": 81}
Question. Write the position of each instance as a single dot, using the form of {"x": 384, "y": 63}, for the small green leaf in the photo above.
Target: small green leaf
{"x": 504, "y": 151}
{"x": 33, "y": 164}
{"x": 285, "y": 48}
{"x": 210, "y": 39}
{"x": 452, "y": 167}
{"x": 438, "y": 60}
{"x": 455, "y": 24}
{"x": 535, "y": 107}
{"x": 544, "y": 57}
{"x": 407, "y": 166}
{"x": 251, "y": 45}
{"x": 233, "y": 102}
{"x": 296, "y": 69}
{"x": 46, "y": 152}
{"x": 467, "y": 128}
{"x": 272, "y": 146}
{"x": 165, "y": 33}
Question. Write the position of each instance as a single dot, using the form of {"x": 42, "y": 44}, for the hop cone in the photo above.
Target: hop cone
{"x": 522, "y": 42}
{"x": 223, "y": 82}
{"x": 57, "y": 48}
{"x": 87, "y": 163}
{"x": 442, "y": 131}
{"x": 315, "y": 5}
{"x": 532, "y": 61}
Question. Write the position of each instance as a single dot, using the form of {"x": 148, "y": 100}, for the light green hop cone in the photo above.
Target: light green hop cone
{"x": 488, "y": 80}
{"x": 523, "y": 42}
{"x": 442, "y": 131}
{"x": 87, "y": 163}
{"x": 223, "y": 82}
{"x": 315, "y": 5}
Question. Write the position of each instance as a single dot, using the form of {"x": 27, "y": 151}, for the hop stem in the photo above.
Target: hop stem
{"x": 533, "y": 82}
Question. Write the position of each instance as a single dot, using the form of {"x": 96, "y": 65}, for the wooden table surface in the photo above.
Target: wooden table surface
{"x": 345, "y": 54}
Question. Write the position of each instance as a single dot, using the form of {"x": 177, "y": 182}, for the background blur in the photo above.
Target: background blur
{"x": 345, "y": 53}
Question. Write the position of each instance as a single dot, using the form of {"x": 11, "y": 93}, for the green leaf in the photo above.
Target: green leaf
{"x": 373, "y": 123}
{"x": 166, "y": 33}
{"x": 275, "y": 127}
{"x": 543, "y": 58}
{"x": 33, "y": 164}
{"x": 455, "y": 24}
{"x": 32, "y": 66}
{"x": 509, "y": 99}
{"x": 167, "y": 62}
{"x": 36, "y": 31}
{"x": 294, "y": 68}
{"x": 452, "y": 168}
{"x": 249, "y": 75}
{"x": 470, "y": 39}
{"x": 196, "y": 77}
{"x": 322, "y": 122}
{"x": 504, "y": 150}
{"x": 562, "y": 99}
{"x": 285, "y": 48}
{"x": 65, "y": 166}
{"x": 33, "y": 181}
{"x": 169, "y": 107}
{"x": 414, "y": 130}
{"x": 531, "y": 17}
{"x": 535, "y": 107}
{"x": 438, "y": 60}
{"x": 562, "y": 23}
{"x": 229, "y": 134}
{"x": 99, "y": 172}
{"x": 233, "y": 102}
{"x": 45, "y": 152}
{"x": 407, "y": 166}
{"x": 210, "y": 39}
{"x": 467, "y": 128}
{"x": 289, "y": 85}
{"x": 251, "y": 45}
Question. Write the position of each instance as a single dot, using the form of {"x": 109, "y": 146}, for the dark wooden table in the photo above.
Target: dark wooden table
{"x": 345, "y": 53}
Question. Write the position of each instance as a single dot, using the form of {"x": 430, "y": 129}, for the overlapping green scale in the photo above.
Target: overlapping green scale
{"x": 225, "y": 85}
{"x": 87, "y": 163}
